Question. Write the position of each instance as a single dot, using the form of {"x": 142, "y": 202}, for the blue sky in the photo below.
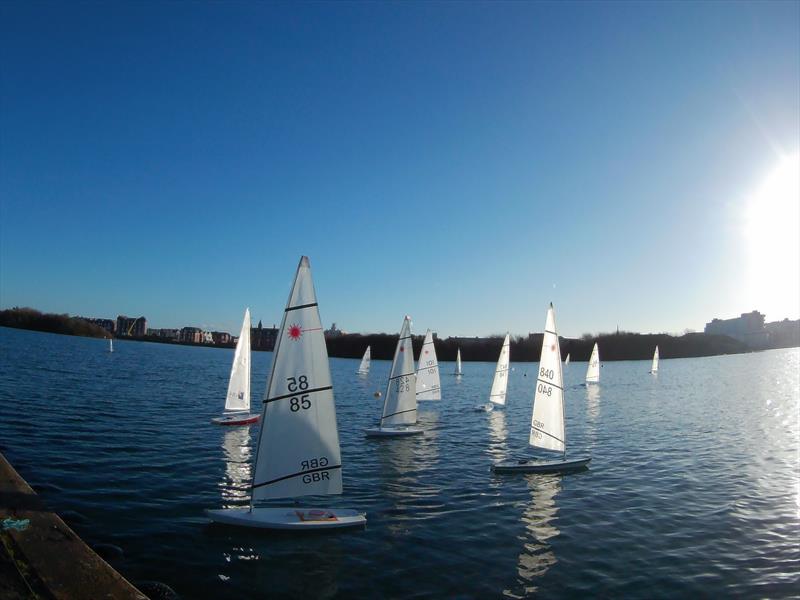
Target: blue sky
{"x": 465, "y": 163}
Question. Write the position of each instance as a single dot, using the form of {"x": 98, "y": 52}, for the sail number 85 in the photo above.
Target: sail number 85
{"x": 295, "y": 384}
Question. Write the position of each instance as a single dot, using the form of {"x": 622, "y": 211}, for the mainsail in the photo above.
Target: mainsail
{"x": 458, "y": 362}
{"x": 654, "y": 368}
{"x": 298, "y": 446}
{"x": 566, "y": 362}
{"x": 428, "y": 385}
{"x": 400, "y": 402}
{"x": 238, "y": 397}
{"x": 547, "y": 423}
{"x": 363, "y": 368}
{"x": 500, "y": 381}
{"x": 593, "y": 370}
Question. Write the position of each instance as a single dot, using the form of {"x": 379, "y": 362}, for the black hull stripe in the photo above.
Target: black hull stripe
{"x": 398, "y": 413}
{"x": 258, "y": 485}
{"x": 548, "y": 383}
{"x": 548, "y": 435}
{"x": 298, "y": 393}
{"x": 299, "y": 306}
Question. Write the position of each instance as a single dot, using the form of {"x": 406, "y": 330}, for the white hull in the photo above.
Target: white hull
{"x": 289, "y": 517}
{"x": 393, "y": 431}
{"x": 236, "y": 419}
{"x": 542, "y": 466}
{"x": 484, "y": 408}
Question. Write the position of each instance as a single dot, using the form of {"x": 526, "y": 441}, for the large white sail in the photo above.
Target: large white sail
{"x": 654, "y": 368}
{"x": 593, "y": 370}
{"x": 500, "y": 381}
{"x": 428, "y": 384}
{"x": 458, "y": 362}
{"x": 298, "y": 446}
{"x": 238, "y": 397}
{"x": 363, "y": 368}
{"x": 547, "y": 423}
{"x": 400, "y": 403}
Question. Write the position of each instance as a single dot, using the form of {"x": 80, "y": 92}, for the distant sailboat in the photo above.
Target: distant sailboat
{"x": 654, "y": 367}
{"x": 400, "y": 400}
{"x": 593, "y": 370}
{"x": 110, "y": 344}
{"x": 237, "y": 400}
{"x": 566, "y": 362}
{"x": 297, "y": 453}
{"x": 428, "y": 384}
{"x": 547, "y": 422}
{"x": 363, "y": 368}
{"x": 500, "y": 381}
{"x": 457, "y": 372}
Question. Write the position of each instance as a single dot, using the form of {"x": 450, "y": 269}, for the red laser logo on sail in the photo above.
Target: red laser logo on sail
{"x": 295, "y": 332}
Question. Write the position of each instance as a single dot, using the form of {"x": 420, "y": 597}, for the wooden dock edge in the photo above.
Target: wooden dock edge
{"x": 51, "y": 560}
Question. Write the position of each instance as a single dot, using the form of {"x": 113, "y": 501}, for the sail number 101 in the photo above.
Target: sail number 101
{"x": 300, "y": 402}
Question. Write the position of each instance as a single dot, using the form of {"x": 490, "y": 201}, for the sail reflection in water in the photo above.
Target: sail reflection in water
{"x": 235, "y": 488}
{"x": 539, "y": 519}
{"x": 409, "y": 466}
{"x": 593, "y": 402}
{"x": 497, "y": 449}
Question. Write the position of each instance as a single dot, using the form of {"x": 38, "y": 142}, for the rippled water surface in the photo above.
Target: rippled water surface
{"x": 693, "y": 488}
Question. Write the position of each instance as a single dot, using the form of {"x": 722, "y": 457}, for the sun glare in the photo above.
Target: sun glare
{"x": 772, "y": 229}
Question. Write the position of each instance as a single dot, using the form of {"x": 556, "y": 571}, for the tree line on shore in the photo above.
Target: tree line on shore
{"x": 30, "y": 318}
{"x": 613, "y": 346}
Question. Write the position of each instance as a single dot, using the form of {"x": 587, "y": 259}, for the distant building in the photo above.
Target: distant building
{"x": 263, "y": 338}
{"x": 783, "y": 334}
{"x": 108, "y": 324}
{"x": 333, "y": 332}
{"x": 193, "y": 335}
{"x": 748, "y": 328}
{"x": 168, "y": 334}
{"x": 208, "y": 337}
{"x": 221, "y": 337}
{"x": 133, "y": 327}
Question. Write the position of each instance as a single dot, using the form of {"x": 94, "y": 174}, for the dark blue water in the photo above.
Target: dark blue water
{"x": 693, "y": 489}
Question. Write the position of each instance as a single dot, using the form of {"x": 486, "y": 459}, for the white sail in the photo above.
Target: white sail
{"x": 110, "y": 345}
{"x": 428, "y": 384}
{"x": 458, "y": 362}
{"x": 566, "y": 362}
{"x": 238, "y": 397}
{"x": 363, "y": 368}
{"x": 298, "y": 446}
{"x": 400, "y": 402}
{"x": 654, "y": 368}
{"x": 547, "y": 423}
{"x": 500, "y": 381}
{"x": 593, "y": 370}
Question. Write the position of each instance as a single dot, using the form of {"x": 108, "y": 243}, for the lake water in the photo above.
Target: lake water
{"x": 693, "y": 489}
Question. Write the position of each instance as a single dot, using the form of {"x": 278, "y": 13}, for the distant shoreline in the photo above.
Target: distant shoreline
{"x": 613, "y": 347}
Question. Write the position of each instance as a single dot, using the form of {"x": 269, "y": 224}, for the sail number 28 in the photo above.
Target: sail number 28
{"x": 295, "y": 384}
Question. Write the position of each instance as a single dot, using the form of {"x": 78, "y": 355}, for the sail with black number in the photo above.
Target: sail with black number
{"x": 593, "y": 370}
{"x": 428, "y": 384}
{"x": 363, "y": 368}
{"x": 238, "y": 396}
{"x": 298, "y": 446}
{"x": 500, "y": 381}
{"x": 654, "y": 367}
{"x": 400, "y": 402}
{"x": 547, "y": 423}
